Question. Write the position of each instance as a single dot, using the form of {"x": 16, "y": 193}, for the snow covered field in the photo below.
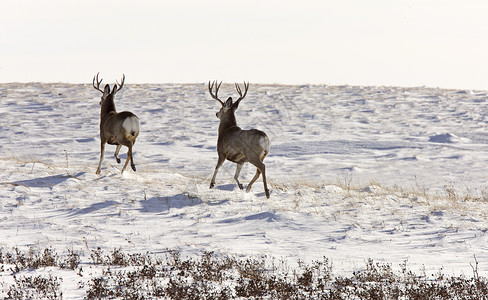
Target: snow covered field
{"x": 392, "y": 174}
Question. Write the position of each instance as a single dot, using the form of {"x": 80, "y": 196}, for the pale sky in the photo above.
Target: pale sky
{"x": 441, "y": 43}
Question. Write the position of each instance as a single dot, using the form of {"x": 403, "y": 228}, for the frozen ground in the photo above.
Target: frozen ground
{"x": 391, "y": 174}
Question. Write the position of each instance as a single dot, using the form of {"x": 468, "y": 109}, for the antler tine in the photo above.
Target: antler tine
{"x": 122, "y": 83}
{"x": 217, "y": 87}
{"x": 98, "y": 82}
{"x": 238, "y": 88}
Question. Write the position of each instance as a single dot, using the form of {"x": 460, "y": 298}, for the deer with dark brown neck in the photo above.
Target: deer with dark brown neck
{"x": 120, "y": 129}
{"x": 237, "y": 145}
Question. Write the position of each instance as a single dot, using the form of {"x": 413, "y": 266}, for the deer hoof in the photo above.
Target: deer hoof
{"x": 212, "y": 185}
{"x": 267, "y": 193}
{"x": 118, "y": 160}
{"x": 133, "y": 167}
{"x": 240, "y": 186}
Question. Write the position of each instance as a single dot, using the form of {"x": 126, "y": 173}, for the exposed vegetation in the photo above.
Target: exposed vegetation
{"x": 211, "y": 276}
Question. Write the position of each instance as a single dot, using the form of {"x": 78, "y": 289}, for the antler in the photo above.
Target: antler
{"x": 217, "y": 87}
{"x": 122, "y": 83}
{"x": 97, "y": 87}
{"x": 98, "y": 83}
{"x": 238, "y": 88}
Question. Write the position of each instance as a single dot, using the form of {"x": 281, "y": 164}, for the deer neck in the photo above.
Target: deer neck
{"x": 227, "y": 123}
{"x": 107, "y": 108}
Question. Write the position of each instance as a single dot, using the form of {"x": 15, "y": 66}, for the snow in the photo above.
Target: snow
{"x": 387, "y": 173}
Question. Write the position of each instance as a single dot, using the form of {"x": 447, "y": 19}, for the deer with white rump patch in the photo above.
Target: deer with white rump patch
{"x": 237, "y": 145}
{"x": 119, "y": 129}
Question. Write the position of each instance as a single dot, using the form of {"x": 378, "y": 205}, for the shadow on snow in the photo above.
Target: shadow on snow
{"x": 94, "y": 207}
{"x": 164, "y": 204}
{"x": 48, "y": 181}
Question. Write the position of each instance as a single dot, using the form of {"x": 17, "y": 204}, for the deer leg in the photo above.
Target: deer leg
{"x": 266, "y": 191}
{"x": 126, "y": 163}
{"x": 219, "y": 164}
{"x": 256, "y": 176}
{"x": 127, "y": 160}
{"x": 116, "y": 154}
{"x": 102, "y": 153}
{"x": 132, "y": 165}
{"x": 238, "y": 170}
{"x": 261, "y": 168}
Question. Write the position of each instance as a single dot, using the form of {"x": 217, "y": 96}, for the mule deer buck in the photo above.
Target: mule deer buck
{"x": 119, "y": 129}
{"x": 237, "y": 145}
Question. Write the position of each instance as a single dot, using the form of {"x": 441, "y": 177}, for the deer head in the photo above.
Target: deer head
{"x": 229, "y": 106}
{"x": 106, "y": 94}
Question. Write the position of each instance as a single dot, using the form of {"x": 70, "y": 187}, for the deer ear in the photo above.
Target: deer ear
{"x": 236, "y": 105}
{"x": 228, "y": 103}
{"x": 106, "y": 90}
{"x": 114, "y": 90}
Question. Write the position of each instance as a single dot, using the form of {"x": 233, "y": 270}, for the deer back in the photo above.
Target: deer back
{"x": 244, "y": 145}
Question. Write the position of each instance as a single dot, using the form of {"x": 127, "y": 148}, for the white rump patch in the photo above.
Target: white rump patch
{"x": 131, "y": 126}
